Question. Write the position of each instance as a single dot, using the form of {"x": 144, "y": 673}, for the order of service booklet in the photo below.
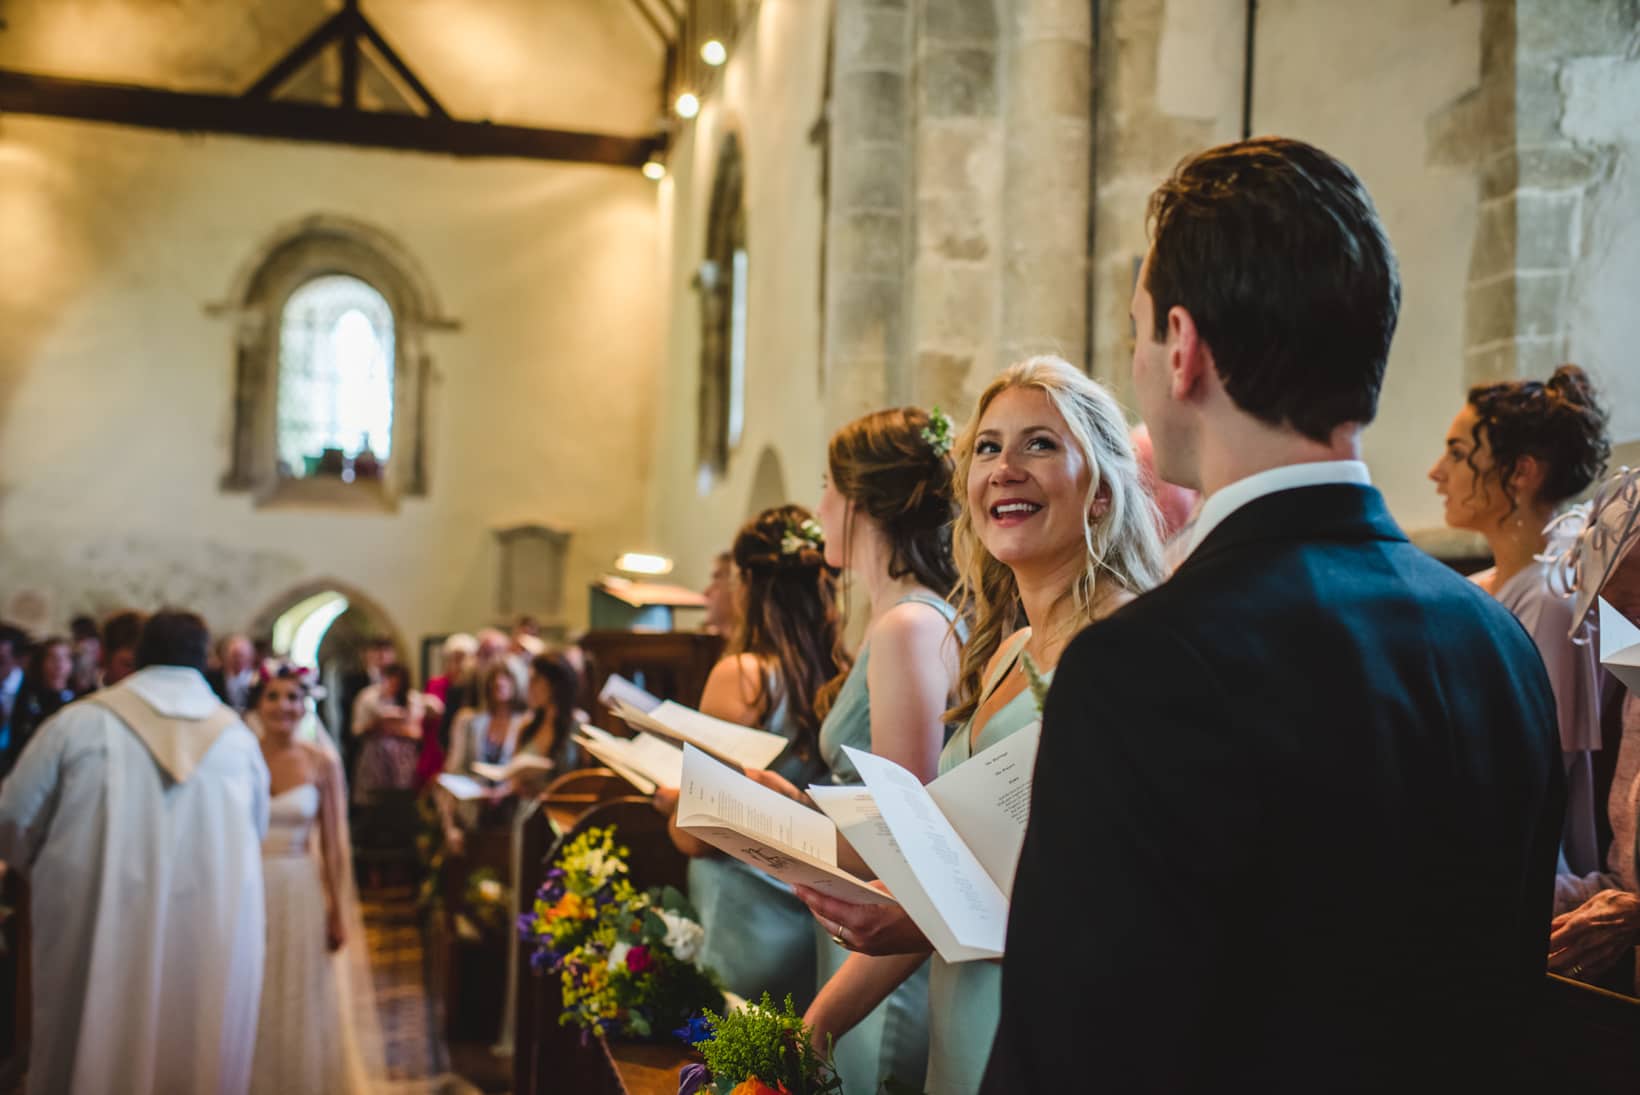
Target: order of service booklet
{"x": 947, "y": 851}
{"x": 645, "y": 761}
{"x": 727, "y": 741}
{"x": 765, "y": 829}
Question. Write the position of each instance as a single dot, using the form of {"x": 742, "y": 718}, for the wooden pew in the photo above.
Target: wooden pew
{"x": 473, "y": 975}
{"x": 674, "y": 665}
{"x": 548, "y": 1057}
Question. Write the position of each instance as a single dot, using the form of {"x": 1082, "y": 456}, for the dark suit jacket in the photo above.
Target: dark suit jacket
{"x": 1294, "y": 825}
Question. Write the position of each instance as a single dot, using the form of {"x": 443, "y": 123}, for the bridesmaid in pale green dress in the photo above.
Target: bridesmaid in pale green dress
{"x": 886, "y": 509}
{"x": 1056, "y": 528}
{"x": 787, "y": 646}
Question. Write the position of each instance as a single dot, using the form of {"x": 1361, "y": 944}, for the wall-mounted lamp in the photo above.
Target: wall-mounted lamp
{"x": 638, "y": 562}
{"x": 687, "y": 105}
{"x": 713, "y": 52}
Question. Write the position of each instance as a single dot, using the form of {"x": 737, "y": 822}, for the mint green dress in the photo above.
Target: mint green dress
{"x": 759, "y": 937}
{"x": 893, "y": 1039}
{"x": 965, "y": 999}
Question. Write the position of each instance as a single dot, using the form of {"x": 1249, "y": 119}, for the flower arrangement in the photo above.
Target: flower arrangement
{"x": 624, "y": 958}
{"x": 756, "y": 1050}
{"x": 803, "y": 537}
{"x": 486, "y": 901}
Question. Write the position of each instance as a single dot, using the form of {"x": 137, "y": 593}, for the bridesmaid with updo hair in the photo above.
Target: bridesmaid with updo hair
{"x": 1516, "y": 453}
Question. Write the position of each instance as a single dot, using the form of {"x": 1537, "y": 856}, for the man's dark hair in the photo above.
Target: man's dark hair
{"x": 82, "y": 628}
{"x": 123, "y": 629}
{"x": 1276, "y": 251}
{"x": 176, "y": 638}
{"x": 14, "y": 637}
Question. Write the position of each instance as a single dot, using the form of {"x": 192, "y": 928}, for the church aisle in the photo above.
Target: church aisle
{"x": 418, "y": 1061}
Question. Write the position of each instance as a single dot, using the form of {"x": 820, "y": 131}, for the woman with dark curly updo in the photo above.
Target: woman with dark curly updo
{"x": 787, "y": 644}
{"x": 1515, "y": 454}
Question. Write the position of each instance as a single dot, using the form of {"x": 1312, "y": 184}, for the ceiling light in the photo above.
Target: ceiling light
{"x": 654, "y": 170}
{"x": 687, "y": 105}
{"x": 713, "y": 52}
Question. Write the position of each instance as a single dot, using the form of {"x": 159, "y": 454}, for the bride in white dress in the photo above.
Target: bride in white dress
{"x": 317, "y": 1031}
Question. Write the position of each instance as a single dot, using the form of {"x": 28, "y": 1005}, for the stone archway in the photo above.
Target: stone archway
{"x": 338, "y": 648}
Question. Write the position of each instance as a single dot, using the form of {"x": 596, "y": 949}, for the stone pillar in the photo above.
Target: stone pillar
{"x": 955, "y": 271}
{"x": 868, "y": 216}
{"x": 1046, "y": 189}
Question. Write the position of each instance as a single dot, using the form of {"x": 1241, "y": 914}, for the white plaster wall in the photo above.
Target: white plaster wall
{"x": 771, "y": 94}
{"x": 116, "y": 385}
{"x": 1602, "y": 109}
{"x": 1361, "y": 81}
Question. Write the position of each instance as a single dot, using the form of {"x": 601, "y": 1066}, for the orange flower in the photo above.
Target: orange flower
{"x": 754, "y": 1086}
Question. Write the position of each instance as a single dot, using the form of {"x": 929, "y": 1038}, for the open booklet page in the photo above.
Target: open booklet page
{"x": 523, "y": 762}
{"x": 644, "y": 761}
{"x": 728, "y": 742}
{"x": 464, "y": 788}
{"x": 948, "y": 851}
{"x": 618, "y": 690}
{"x": 1620, "y": 646}
{"x": 765, "y": 829}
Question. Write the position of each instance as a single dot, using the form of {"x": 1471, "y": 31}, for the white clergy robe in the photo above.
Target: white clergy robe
{"x": 140, "y": 835}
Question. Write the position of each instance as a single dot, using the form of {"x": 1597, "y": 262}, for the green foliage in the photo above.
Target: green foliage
{"x": 772, "y": 1045}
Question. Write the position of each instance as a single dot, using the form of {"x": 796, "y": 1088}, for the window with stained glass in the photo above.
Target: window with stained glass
{"x": 334, "y": 412}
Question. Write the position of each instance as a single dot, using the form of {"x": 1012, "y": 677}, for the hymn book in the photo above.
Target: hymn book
{"x": 947, "y": 851}
{"x": 644, "y": 761}
{"x": 522, "y": 762}
{"x": 617, "y": 689}
{"x": 729, "y": 742}
{"x": 765, "y": 829}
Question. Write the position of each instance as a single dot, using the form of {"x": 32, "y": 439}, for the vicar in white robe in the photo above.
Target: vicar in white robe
{"x": 137, "y": 816}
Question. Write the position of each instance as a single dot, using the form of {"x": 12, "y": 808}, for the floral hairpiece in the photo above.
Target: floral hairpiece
{"x": 938, "y": 432}
{"x": 803, "y": 537}
{"x": 277, "y": 669}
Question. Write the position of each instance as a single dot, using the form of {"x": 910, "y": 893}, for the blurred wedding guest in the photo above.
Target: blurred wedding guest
{"x": 234, "y": 677}
{"x": 788, "y": 645}
{"x": 1515, "y": 453}
{"x": 492, "y": 646}
{"x": 489, "y": 734}
{"x": 1295, "y": 810}
{"x": 722, "y": 595}
{"x": 87, "y": 642}
{"x": 1176, "y": 505}
{"x": 376, "y": 653}
{"x": 454, "y": 657}
{"x": 13, "y": 655}
{"x": 388, "y": 719}
{"x": 1597, "y": 926}
{"x": 551, "y": 696}
{"x": 1057, "y": 530}
{"x": 137, "y": 815}
{"x": 47, "y": 687}
{"x": 121, "y": 632}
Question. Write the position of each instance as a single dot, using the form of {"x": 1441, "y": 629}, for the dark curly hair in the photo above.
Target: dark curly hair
{"x": 792, "y": 619}
{"x": 1558, "y": 422}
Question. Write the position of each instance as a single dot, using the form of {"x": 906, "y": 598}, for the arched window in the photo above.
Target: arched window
{"x": 335, "y": 403}
{"x": 330, "y": 388}
{"x": 723, "y": 283}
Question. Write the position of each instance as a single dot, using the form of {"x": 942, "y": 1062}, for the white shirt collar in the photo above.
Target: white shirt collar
{"x": 1227, "y": 500}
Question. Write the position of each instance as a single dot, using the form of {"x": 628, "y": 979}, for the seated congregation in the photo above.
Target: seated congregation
{"x": 1310, "y": 809}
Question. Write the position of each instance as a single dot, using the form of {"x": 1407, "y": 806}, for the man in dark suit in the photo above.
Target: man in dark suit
{"x": 1295, "y": 816}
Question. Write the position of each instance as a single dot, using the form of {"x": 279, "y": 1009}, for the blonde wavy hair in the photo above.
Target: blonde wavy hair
{"x": 1124, "y": 546}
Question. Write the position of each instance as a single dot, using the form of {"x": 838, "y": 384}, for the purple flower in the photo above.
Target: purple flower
{"x": 695, "y": 1031}
{"x": 692, "y": 1078}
